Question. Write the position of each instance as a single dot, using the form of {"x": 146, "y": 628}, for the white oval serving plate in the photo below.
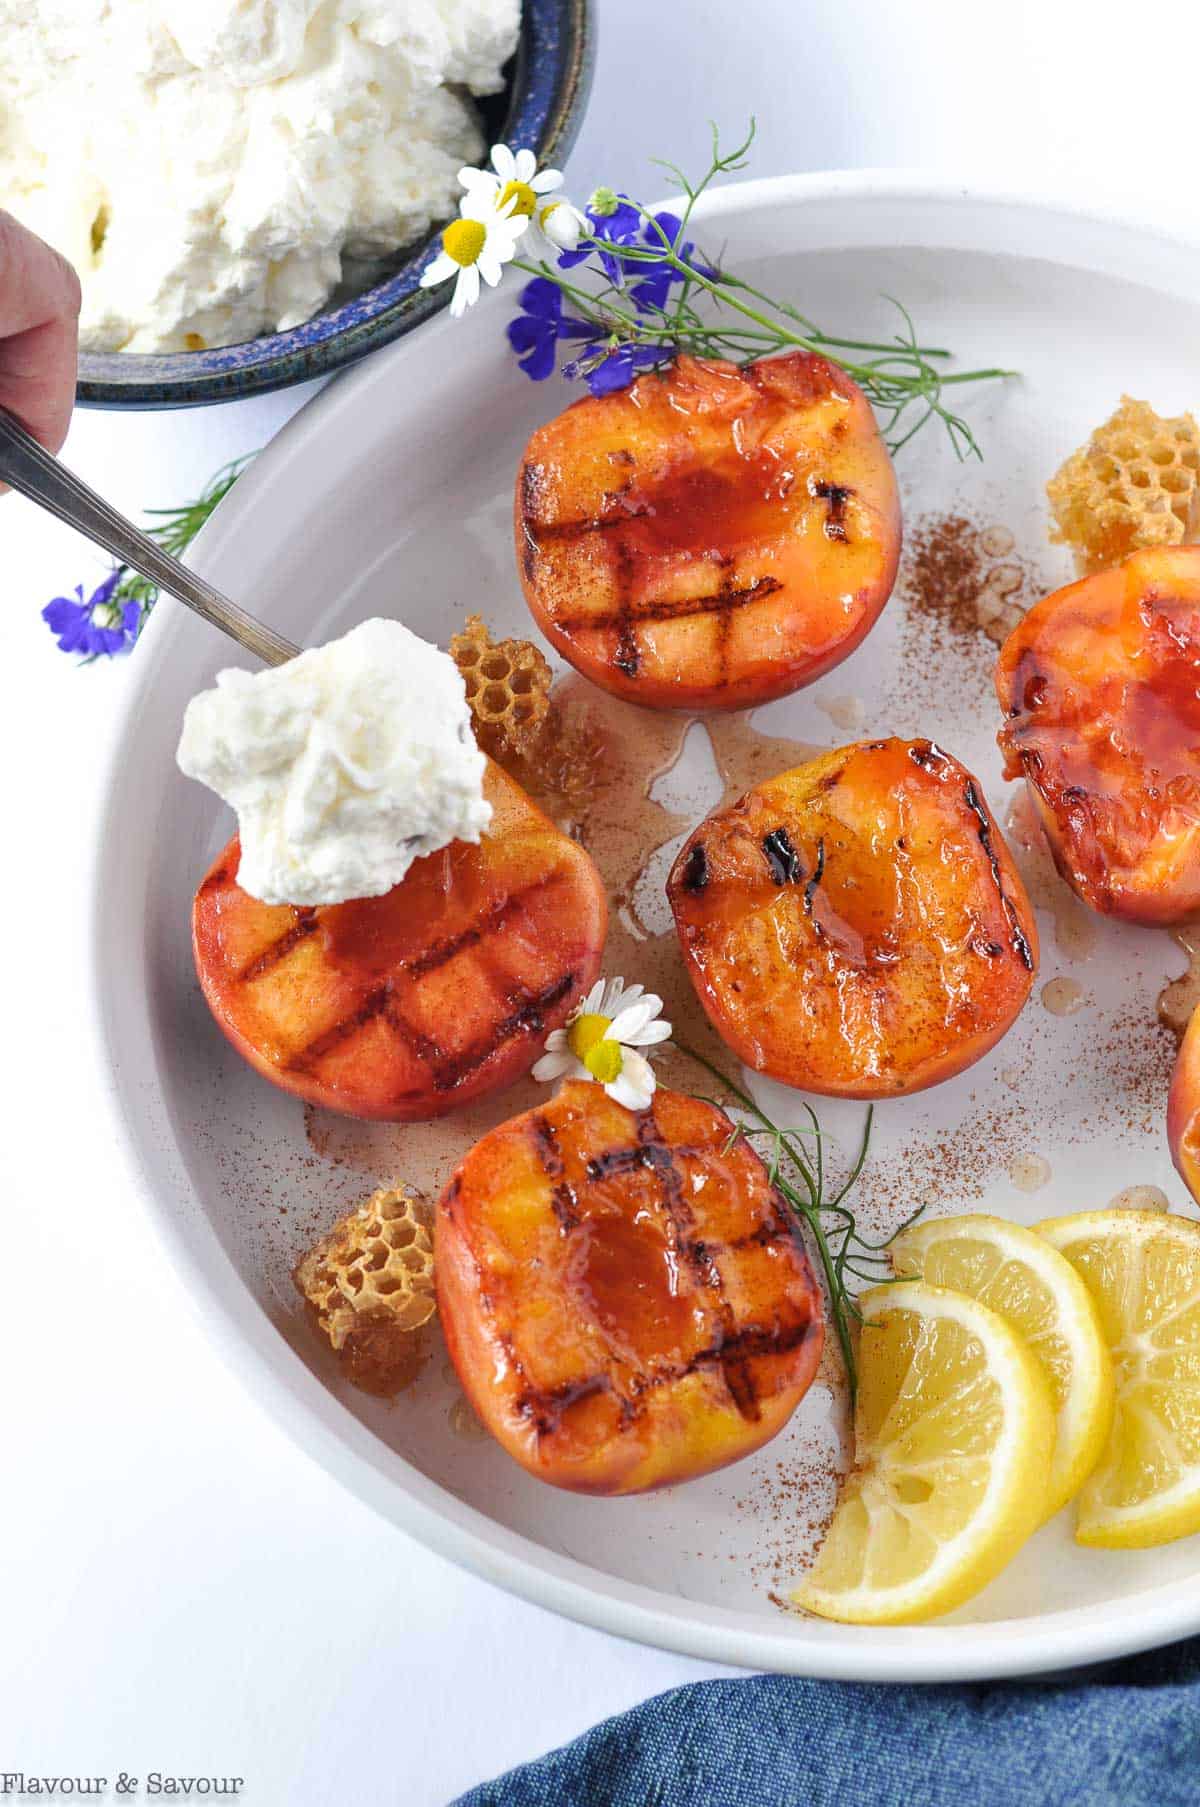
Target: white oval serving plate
{"x": 390, "y": 494}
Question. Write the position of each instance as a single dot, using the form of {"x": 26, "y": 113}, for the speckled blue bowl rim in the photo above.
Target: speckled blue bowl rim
{"x": 548, "y": 89}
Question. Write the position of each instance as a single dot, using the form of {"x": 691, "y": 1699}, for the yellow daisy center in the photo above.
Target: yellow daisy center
{"x": 587, "y": 1041}
{"x": 463, "y": 240}
{"x": 523, "y": 195}
{"x": 587, "y": 1029}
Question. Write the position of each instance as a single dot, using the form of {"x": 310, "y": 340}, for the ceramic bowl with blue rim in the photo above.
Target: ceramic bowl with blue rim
{"x": 541, "y": 106}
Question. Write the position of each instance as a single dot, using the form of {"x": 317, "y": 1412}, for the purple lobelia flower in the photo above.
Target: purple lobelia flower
{"x": 96, "y": 626}
{"x": 536, "y": 330}
{"x": 618, "y": 368}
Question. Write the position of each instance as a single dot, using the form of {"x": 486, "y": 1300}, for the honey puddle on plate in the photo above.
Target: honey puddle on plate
{"x": 1139, "y": 1198}
{"x": 464, "y": 1422}
{"x": 1179, "y": 997}
{"x": 600, "y": 762}
{"x": 1063, "y": 996}
{"x": 1029, "y": 1172}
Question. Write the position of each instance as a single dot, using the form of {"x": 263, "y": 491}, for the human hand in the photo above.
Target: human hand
{"x": 39, "y": 333}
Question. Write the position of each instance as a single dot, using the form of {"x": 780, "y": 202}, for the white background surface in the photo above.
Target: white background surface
{"x": 183, "y": 1590}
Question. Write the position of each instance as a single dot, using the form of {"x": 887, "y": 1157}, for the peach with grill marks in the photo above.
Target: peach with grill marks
{"x": 711, "y": 536}
{"x": 408, "y": 1005}
{"x": 624, "y": 1294}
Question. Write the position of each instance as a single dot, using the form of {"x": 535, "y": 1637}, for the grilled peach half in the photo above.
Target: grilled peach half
{"x": 857, "y": 926}
{"x": 624, "y": 1295}
{"x": 1183, "y": 1109}
{"x": 408, "y": 1005}
{"x": 711, "y": 536}
{"x": 1100, "y": 687}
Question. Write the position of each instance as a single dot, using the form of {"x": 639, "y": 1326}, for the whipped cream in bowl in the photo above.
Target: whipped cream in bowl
{"x": 344, "y": 765}
{"x": 215, "y": 168}
{"x": 250, "y": 188}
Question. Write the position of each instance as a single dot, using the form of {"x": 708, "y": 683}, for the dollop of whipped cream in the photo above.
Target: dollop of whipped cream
{"x": 344, "y": 765}
{"x": 215, "y": 168}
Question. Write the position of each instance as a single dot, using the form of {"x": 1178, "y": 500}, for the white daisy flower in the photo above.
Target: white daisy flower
{"x": 479, "y": 243}
{"x": 601, "y": 1040}
{"x": 514, "y": 177}
{"x": 562, "y": 223}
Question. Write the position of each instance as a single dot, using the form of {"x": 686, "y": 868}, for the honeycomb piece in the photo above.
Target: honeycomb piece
{"x": 1136, "y": 483}
{"x": 508, "y": 688}
{"x": 370, "y": 1283}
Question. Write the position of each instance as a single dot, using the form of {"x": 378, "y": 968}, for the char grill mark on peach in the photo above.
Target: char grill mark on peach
{"x": 731, "y": 1350}
{"x": 494, "y": 918}
{"x": 547, "y": 1406}
{"x": 1017, "y": 935}
{"x": 782, "y": 858}
{"x": 646, "y": 1154}
{"x": 810, "y": 889}
{"x": 308, "y": 920}
{"x": 576, "y": 530}
{"x": 629, "y": 1160}
{"x": 524, "y": 1006}
{"x": 721, "y": 602}
{"x": 680, "y": 1220}
{"x": 724, "y": 603}
{"x": 925, "y": 753}
{"x": 374, "y": 1005}
{"x": 695, "y": 869}
{"x": 836, "y": 495}
{"x": 562, "y": 1198}
{"x": 305, "y": 924}
{"x": 762, "y": 1238}
{"x": 654, "y": 1156}
{"x": 628, "y": 654}
{"x": 929, "y": 756}
{"x": 525, "y": 1016}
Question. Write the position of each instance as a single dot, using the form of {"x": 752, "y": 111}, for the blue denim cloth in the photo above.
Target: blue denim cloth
{"x": 1124, "y": 1735}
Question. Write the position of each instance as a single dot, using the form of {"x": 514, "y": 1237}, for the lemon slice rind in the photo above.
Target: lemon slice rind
{"x": 1169, "y": 1511}
{"x": 1012, "y": 1502}
{"x": 1082, "y": 1384}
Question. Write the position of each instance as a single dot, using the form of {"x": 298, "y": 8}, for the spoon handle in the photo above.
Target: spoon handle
{"x": 33, "y": 472}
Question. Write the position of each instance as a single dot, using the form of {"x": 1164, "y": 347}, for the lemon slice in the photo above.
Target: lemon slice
{"x": 955, "y": 1434}
{"x": 1038, "y": 1292}
{"x": 1143, "y": 1270}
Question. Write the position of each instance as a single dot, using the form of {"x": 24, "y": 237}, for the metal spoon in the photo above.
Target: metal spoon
{"x": 33, "y": 472}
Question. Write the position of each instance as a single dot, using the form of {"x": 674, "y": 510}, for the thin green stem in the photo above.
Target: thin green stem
{"x": 852, "y": 1177}
{"x": 900, "y": 376}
